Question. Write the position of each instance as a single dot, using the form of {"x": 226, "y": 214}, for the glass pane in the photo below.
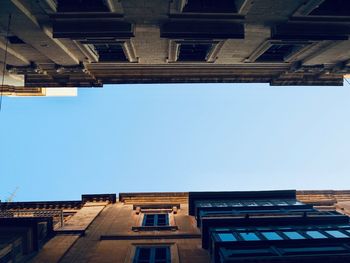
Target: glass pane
{"x": 226, "y": 237}
{"x": 162, "y": 220}
{"x": 160, "y": 253}
{"x": 293, "y": 235}
{"x": 249, "y": 236}
{"x": 272, "y": 236}
{"x": 148, "y": 220}
{"x": 144, "y": 254}
{"x": 315, "y": 234}
{"x": 336, "y": 233}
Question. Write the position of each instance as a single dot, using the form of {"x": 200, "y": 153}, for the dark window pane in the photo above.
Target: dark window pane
{"x": 162, "y": 220}
{"x": 193, "y": 52}
{"x": 160, "y": 254}
{"x": 271, "y": 235}
{"x": 315, "y": 234}
{"x": 210, "y": 6}
{"x": 332, "y": 8}
{"x": 148, "y": 220}
{"x": 249, "y": 236}
{"x": 155, "y": 220}
{"x": 144, "y": 254}
{"x": 293, "y": 235}
{"x": 82, "y": 6}
{"x": 110, "y": 52}
{"x": 278, "y": 52}
{"x": 156, "y": 254}
{"x": 15, "y": 40}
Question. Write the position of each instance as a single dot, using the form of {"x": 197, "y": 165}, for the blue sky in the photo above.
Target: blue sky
{"x": 125, "y": 138}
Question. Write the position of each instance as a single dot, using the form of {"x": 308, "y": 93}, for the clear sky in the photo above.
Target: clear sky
{"x": 125, "y": 138}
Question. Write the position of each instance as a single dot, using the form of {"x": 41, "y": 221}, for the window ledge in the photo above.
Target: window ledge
{"x": 154, "y": 228}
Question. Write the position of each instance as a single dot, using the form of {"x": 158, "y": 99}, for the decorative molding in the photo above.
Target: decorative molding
{"x": 173, "y": 51}
{"x": 167, "y": 206}
{"x": 112, "y": 198}
{"x": 154, "y": 228}
{"x": 212, "y": 56}
{"x": 307, "y": 7}
{"x": 129, "y": 51}
{"x": 32, "y": 68}
{"x": 52, "y": 4}
{"x": 151, "y": 237}
{"x": 88, "y": 53}
{"x": 115, "y": 6}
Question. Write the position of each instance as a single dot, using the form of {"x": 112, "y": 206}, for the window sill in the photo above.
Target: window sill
{"x": 154, "y": 228}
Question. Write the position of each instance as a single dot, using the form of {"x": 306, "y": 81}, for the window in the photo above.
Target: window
{"x": 109, "y": 52}
{"x": 82, "y": 6}
{"x": 315, "y": 234}
{"x": 155, "y": 220}
{"x": 15, "y": 40}
{"x": 193, "y": 51}
{"x": 249, "y": 236}
{"x": 279, "y": 52}
{"x": 155, "y": 254}
{"x": 293, "y": 235}
{"x": 271, "y": 236}
{"x": 332, "y": 8}
{"x": 226, "y": 237}
{"x": 336, "y": 233}
{"x": 197, "y": 51}
{"x": 210, "y": 6}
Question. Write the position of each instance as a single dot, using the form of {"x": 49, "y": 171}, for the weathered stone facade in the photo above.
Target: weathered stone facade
{"x": 100, "y": 228}
{"x": 84, "y": 43}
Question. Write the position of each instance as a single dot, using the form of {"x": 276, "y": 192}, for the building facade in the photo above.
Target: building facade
{"x": 264, "y": 226}
{"x": 88, "y": 43}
